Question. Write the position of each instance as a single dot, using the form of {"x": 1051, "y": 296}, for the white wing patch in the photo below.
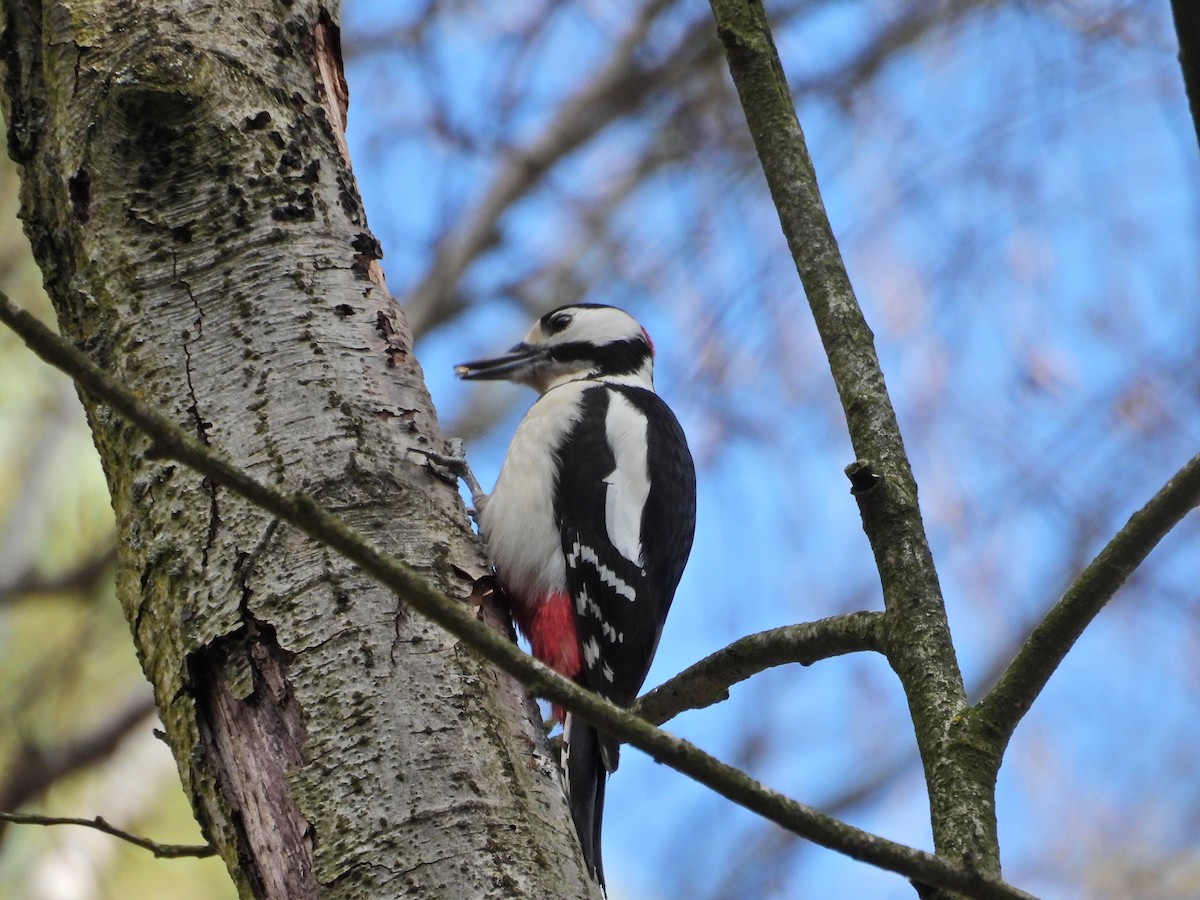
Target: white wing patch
{"x": 629, "y": 483}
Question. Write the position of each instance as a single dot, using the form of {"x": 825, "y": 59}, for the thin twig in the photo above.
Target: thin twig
{"x": 708, "y": 681}
{"x": 458, "y": 618}
{"x": 162, "y": 851}
{"x": 997, "y": 714}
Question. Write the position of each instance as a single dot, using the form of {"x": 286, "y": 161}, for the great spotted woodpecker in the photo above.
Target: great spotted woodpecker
{"x": 590, "y": 522}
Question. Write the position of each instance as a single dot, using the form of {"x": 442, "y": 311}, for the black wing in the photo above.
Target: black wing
{"x": 669, "y": 516}
{"x": 619, "y": 605}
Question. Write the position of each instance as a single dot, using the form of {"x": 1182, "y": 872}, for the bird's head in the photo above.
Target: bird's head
{"x": 573, "y": 343}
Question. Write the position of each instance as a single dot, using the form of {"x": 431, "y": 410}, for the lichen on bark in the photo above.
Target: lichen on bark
{"x": 187, "y": 193}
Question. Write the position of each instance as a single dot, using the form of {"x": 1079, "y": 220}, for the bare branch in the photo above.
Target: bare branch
{"x": 890, "y": 40}
{"x": 460, "y": 619}
{"x": 35, "y": 769}
{"x": 162, "y": 851}
{"x": 997, "y": 714}
{"x": 81, "y": 580}
{"x": 616, "y": 89}
{"x": 708, "y": 681}
{"x": 919, "y": 647}
{"x": 770, "y": 850}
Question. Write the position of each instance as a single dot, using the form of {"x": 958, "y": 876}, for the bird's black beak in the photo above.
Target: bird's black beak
{"x": 512, "y": 366}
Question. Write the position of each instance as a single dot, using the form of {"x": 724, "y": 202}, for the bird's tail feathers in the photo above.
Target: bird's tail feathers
{"x": 585, "y": 774}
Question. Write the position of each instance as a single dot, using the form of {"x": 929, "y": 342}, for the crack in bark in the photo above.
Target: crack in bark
{"x": 359, "y": 867}
{"x": 202, "y": 425}
{"x": 441, "y": 859}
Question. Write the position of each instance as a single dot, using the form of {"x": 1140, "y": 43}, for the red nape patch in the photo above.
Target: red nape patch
{"x": 550, "y": 626}
{"x": 649, "y": 343}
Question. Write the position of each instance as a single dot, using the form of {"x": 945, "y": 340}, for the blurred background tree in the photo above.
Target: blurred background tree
{"x": 1017, "y": 192}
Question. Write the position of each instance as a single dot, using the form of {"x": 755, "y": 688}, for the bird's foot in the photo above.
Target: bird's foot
{"x": 453, "y": 467}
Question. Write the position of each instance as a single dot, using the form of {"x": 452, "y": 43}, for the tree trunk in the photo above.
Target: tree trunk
{"x": 187, "y": 192}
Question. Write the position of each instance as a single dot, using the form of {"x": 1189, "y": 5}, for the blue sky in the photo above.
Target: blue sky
{"x": 1017, "y": 203}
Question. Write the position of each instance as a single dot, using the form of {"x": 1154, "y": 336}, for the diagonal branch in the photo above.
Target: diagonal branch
{"x": 918, "y": 645}
{"x": 81, "y": 580}
{"x": 34, "y": 770}
{"x": 162, "y": 851}
{"x": 889, "y": 42}
{"x": 708, "y": 681}
{"x": 996, "y": 716}
{"x": 618, "y": 88}
{"x": 770, "y": 850}
{"x": 458, "y": 618}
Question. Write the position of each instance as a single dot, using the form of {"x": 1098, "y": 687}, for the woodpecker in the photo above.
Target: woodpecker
{"x": 590, "y": 522}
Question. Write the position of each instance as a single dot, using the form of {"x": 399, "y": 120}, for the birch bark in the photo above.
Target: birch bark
{"x": 188, "y": 194}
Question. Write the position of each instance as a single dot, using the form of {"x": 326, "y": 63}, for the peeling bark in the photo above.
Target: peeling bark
{"x": 253, "y": 742}
{"x": 187, "y": 191}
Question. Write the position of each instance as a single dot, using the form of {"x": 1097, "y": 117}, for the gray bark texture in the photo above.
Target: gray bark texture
{"x": 188, "y": 194}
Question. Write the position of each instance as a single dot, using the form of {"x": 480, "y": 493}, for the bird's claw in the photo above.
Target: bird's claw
{"x": 449, "y": 466}
{"x": 453, "y": 467}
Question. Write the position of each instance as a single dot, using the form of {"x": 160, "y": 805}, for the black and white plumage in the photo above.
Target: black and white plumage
{"x": 591, "y": 521}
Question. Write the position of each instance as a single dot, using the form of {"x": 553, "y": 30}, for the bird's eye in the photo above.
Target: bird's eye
{"x": 559, "y": 322}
